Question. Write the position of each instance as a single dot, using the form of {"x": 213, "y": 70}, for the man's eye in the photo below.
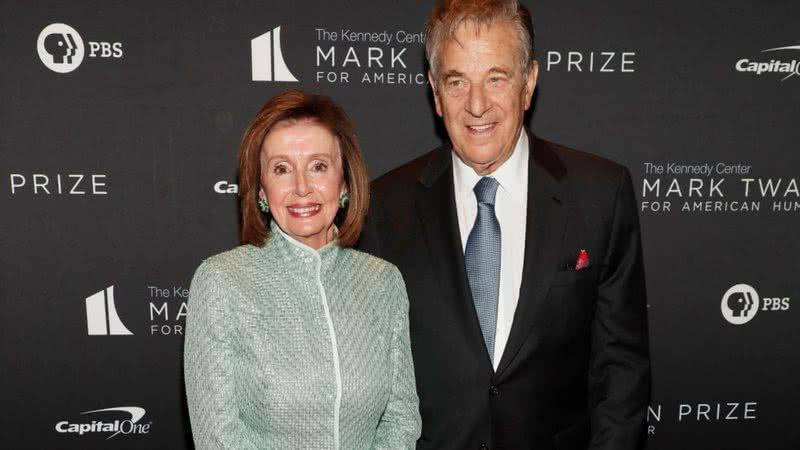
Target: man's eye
{"x": 455, "y": 84}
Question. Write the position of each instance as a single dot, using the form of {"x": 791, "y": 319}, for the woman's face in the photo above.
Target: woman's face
{"x": 302, "y": 178}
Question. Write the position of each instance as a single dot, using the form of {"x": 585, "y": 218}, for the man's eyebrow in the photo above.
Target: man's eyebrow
{"x": 452, "y": 73}
{"x": 455, "y": 73}
{"x": 502, "y": 70}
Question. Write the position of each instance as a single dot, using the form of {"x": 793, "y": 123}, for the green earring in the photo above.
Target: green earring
{"x": 344, "y": 199}
{"x": 263, "y": 205}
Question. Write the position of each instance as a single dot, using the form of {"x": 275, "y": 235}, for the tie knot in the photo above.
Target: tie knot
{"x": 486, "y": 190}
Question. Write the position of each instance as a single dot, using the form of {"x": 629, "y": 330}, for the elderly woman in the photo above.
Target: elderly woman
{"x": 295, "y": 340}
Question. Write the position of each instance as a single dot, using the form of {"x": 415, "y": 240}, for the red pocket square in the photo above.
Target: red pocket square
{"x": 583, "y": 260}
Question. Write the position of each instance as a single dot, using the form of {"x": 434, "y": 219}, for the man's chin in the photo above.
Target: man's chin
{"x": 480, "y": 160}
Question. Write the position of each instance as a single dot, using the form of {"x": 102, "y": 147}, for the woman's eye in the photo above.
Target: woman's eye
{"x": 280, "y": 170}
{"x": 320, "y": 167}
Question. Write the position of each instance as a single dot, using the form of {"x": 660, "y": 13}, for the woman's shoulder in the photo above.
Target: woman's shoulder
{"x": 225, "y": 275}
{"x": 229, "y": 262}
{"x": 373, "y": 265}
{"x": 369, "y": 262}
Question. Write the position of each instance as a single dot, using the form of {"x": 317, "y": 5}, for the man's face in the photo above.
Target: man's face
{"x": 481, "y": 93}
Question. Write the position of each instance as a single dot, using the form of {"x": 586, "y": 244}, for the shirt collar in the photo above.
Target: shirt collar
{"x": 512, "y": 175}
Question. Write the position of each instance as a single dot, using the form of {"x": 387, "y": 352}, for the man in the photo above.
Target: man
{"x": 522, "y": 259}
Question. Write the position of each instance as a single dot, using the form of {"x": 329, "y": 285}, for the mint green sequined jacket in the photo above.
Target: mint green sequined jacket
{"x": 291, "y": 348}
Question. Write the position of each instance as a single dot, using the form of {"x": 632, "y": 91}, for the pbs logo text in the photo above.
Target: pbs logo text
{"x": 61, "y": 49}
{"x": 741, "y": 303}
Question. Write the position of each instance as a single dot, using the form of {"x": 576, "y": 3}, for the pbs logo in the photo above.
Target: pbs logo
{"x": 741, "y": 303}
{"x": 62, "y": 49}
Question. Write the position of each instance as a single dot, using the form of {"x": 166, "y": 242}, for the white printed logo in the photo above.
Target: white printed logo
{"x": 225, "y": 187}
{"x": 127, "y": 426}
{"x": 267, "y": 58}
{"x": 740, "y": 304}
{"x": 60, "y": 48}
{"x": 101, "y": 315}
{"x": 591, "y": 61}
{"x": 785, "y": 67}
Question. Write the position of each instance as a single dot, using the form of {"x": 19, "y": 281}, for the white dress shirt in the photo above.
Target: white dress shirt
{"x": 511, "y": 204}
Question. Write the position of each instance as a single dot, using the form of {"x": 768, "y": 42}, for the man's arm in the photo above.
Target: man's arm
{"x": 619, "y": 374}
{"x": 369, "y": 242}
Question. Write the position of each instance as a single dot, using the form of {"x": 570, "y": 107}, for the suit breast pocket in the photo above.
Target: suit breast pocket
{"x": 572, "y": 276}
{"x": 570, "y": 304}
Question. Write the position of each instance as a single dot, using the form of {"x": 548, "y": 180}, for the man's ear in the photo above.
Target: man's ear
{"x": 530, "y": 83}
{"x": 436, "y": 101}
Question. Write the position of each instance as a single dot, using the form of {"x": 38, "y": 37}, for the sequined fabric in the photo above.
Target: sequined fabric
{"x": 291, "y": 348}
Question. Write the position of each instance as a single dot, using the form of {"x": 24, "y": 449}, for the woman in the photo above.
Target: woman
{"x": 295, "y": 340}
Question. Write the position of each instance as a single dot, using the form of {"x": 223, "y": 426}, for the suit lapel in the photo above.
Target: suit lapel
{"x": 436, "y": 207}
{"x": 546, "y": 220}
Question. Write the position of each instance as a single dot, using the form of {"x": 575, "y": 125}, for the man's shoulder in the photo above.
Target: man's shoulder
{"x": 404, "y": 175}
{"x": 577, "y": 165}
{"x": 398, "y": 185}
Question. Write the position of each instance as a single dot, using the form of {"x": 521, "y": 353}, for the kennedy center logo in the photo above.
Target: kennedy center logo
{"x": 60, "y": 48}
{"x": 101, "y": 315}
{"x": 267, "y": 58}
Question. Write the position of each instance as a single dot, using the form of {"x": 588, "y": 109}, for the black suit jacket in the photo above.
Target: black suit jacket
{"x": 575, "y": 372}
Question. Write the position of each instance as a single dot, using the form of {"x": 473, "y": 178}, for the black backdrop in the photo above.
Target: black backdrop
{"x": 119, "y": 178}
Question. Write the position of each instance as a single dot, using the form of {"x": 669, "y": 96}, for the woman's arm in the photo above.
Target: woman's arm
{"x": 207, "y": 359}
{"x": 400, "y": 425}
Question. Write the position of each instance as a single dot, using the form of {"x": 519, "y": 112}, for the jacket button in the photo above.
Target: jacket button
{"x": 494, "y": 390}
{"x": 484, "y": 447}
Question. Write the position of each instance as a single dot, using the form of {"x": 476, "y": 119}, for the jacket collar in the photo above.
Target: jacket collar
{"x": 296, "y": 252}
{"x": 546, "y": 222}
{"x": 542, "y": 161}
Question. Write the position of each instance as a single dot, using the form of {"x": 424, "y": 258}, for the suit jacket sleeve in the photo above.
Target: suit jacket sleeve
{"x": 400, "y": 424}
{"x": 368, "y": 241}
{"x": 210, "y": 390}
{"x": 619, "y": 376}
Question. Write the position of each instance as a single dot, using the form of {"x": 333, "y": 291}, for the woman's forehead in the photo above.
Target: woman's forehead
{"x": 300, "y": 140}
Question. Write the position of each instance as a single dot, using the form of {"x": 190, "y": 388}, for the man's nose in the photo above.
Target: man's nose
{"x": 477, "y": 103}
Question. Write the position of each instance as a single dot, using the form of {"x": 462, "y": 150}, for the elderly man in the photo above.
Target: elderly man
{"x": 522, "y": 258}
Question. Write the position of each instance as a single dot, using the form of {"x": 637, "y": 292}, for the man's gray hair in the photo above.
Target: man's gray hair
{"x": 448, "y": 15}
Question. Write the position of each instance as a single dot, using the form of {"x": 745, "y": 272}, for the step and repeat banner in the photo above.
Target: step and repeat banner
{"x": 118, "y": 157}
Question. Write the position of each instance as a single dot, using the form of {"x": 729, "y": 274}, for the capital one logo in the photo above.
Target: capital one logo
{"x": 740, "y": 304}
{"x": 60, "y": 48}
{"x": 267, "y": 58}
{"x": 101, "y": 315}
{"x": 127, "y": 426}
{"x": 782, "y": 60}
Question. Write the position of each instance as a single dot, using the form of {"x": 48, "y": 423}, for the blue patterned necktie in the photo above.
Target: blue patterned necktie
{"x": 482, "y": 260}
